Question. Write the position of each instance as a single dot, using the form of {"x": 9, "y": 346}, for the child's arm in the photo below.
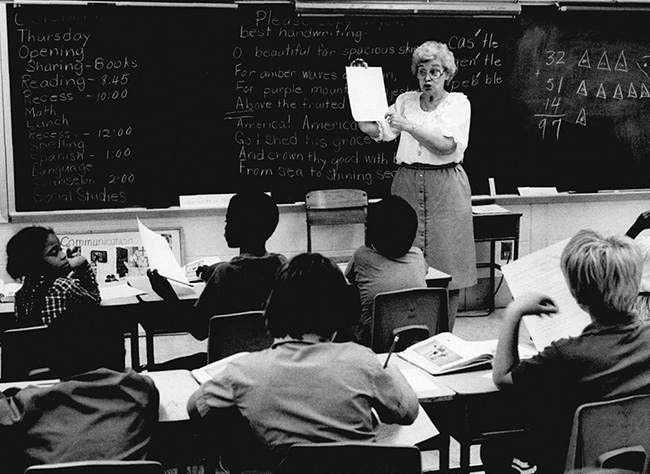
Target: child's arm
{"x": 642, "y": 223}
{"x": 507, "y": 353}
{"x": 84, "y": 275}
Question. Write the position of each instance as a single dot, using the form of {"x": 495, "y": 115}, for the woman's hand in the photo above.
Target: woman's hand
{"x": 359, "y": 62}
{"x": 399, "y": 122}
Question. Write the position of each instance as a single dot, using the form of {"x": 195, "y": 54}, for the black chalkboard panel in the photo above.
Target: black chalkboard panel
{"x": 133, "y": 106}
{"x": 581, "y": 86}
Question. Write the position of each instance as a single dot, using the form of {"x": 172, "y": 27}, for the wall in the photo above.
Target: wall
{"x": 544, "y": 221}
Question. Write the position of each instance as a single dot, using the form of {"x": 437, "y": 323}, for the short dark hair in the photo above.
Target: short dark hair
{"x": 25, "y": 251}
{"x": 392, "y": 224}
{"x": 310, "y": 296}
{"x": 251, "y": 213}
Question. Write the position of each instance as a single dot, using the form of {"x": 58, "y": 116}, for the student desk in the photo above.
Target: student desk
{"x": 478, "y": 412}
{"x": 494, "y": 224}
{"x": 148, "y": 310}
{"x": 175, "y": 441}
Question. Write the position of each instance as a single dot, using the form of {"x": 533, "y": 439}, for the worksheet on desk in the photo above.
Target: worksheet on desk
{"x": 540, "y": 272}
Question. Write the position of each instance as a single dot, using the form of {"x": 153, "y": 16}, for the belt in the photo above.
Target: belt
{"x": 425, "y": 166}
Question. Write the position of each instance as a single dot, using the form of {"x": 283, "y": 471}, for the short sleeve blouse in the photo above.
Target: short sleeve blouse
{"x": 451, "y": 118}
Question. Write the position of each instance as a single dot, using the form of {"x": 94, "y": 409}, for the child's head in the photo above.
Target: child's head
{"x": 603, "y": 273}
{"x": 391, "y": 227}
{"x": 251, "y": 216}
{"x": 309, "y": 297}
{"x": 35, "y": 250}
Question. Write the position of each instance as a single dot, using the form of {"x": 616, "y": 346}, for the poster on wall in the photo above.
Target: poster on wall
{"x": 117, "y": 255}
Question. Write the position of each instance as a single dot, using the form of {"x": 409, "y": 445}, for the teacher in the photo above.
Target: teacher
{"x": 433, "y": 129}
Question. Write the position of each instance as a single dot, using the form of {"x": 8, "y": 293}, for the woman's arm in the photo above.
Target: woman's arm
{"x": 369, "y": 128}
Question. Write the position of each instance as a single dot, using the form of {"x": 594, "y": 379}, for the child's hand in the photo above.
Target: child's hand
{"x": 642, "y": 223}
{"x": 533, "y": 303}
{"x": 161, "y": 286}
{"x": 77, "y": 262}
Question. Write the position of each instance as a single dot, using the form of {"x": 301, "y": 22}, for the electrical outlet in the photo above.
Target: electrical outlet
{"x": 506, "y": 251}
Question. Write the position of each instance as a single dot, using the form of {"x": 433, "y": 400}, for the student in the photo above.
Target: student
{"x": 388, "y": 261}
{"x": 93, "y": 414}
{"x": 61, "y": 293}
{"x": 642, "y": 305}
{"x": 52, "y": 283}
{"x": 306, "y": 388}
{"x": 243, "y": 283}
{"x": 609, "y": 359}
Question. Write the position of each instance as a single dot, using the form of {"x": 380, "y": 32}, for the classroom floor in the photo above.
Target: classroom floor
{"x": 467, "y": 327}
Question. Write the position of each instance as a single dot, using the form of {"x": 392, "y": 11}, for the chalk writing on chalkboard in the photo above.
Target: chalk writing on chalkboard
{"x": 584, "y": 86}
{"x": 121, "y": 107}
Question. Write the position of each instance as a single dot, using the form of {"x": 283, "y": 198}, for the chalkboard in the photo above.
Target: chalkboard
{"x": 581, "y": 83}
{"x": 133, "y": 106}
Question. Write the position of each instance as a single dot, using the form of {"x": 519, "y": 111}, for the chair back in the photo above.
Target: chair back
{"x": 396, "y": 311}
{"x": 26, "y": 354}
{"x": 603, "y": 428}
{"x": 237, "y": 332}
{"x": 98, "y": 467}
{"x": 335, "y": 207}
{"x": 353, "y": 458}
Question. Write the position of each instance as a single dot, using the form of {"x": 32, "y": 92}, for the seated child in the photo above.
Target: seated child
{"x": 306, "y": 388}
{"x": 388, "y": 261}
{"x": 243, "y": 283}
{"x": 61, "y": 293}
{"x": 609, "y": 359}
{"x": 94, "y": 413}
{"x": 642, "y": 305}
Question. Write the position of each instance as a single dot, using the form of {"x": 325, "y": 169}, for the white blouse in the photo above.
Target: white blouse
{"x": 451, "y": 118}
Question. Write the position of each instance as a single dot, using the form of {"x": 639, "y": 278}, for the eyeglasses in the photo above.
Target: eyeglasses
{"x": 435, "y": 73}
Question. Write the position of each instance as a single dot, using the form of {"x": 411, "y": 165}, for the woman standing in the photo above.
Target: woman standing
{"x": 433, "y": 129}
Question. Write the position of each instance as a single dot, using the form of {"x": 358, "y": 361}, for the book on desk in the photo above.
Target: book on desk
{"x": 445, "y": 353}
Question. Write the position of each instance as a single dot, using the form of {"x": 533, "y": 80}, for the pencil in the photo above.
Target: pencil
{"x": 392, "y": 349}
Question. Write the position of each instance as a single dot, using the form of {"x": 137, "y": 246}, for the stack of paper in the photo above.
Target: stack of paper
{"x": 540, "y": 272}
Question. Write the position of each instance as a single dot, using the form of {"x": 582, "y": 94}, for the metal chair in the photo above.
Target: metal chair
{"x": 335, "y": 207}
{"x": 409, "y": 311}
{"x": 353, "y": 458}
{"x": 609, "y": 431}
{"x": 98, "y": 467}
{"x": 237, "y": 332}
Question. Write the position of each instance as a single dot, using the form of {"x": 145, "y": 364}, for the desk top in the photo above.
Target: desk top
{"x": 428, "y": 388}
{"x": 175, "y": 388}
{"x": 149, "y": 296}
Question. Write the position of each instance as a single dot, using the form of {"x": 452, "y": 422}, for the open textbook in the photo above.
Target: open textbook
{"x": 540, "y": 271}
{"x": 445, "y": 353}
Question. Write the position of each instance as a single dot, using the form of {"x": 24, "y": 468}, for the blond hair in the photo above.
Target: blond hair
{"x": 434, "y": 50}
{"x": 603, "y": 273}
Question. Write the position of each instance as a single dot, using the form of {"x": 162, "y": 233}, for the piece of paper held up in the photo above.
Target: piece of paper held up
{"x": 421, "y": 430}
{"x": 367, "y": 93}
{"x": 540, "y": 272}
{"x": 160, "y": 255}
